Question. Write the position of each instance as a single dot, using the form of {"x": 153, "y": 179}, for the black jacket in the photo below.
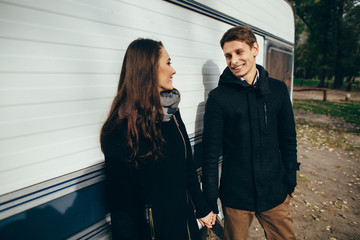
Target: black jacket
{"x": 254, "y": 127}
{"x": 163, "y": 183}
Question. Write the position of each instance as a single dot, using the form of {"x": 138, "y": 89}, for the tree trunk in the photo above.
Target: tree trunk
{"x": 349, "y": 83}
{"x": 324, "y": 55}
{"x": 338, "y": 81}
{"x": 322, "y": 79}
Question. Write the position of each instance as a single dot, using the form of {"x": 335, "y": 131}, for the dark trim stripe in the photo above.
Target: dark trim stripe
{"x": 82, "y": 214}
{"x": 46, "y": 188}
{"x": 95, "y": 231}
{"x": 30, "y": 197}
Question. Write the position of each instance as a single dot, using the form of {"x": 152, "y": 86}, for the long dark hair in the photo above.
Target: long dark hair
{"x": 138, "y": 99}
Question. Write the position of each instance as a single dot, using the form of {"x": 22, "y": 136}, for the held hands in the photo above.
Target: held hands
{"x": 209, "y": 220}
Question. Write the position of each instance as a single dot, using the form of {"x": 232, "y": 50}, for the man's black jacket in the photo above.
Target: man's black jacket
{"x": 254, "y": 127}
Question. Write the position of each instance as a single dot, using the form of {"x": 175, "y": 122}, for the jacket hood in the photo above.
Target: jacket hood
{"x": 227, "y": 78}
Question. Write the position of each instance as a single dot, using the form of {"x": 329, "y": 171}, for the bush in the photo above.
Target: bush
{"x": 301, "y": 82}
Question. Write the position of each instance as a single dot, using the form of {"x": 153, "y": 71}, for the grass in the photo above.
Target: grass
{"x": 302, "y": 82}
{"x": 348, "y": 112}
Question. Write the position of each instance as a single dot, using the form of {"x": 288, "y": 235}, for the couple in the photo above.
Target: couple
{"x": 152, "y": 186}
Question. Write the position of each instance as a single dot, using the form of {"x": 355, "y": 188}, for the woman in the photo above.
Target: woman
{"x": 148, "y": 158}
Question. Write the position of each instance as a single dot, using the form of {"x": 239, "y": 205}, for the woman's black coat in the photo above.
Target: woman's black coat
{"x": 163, "y": 183}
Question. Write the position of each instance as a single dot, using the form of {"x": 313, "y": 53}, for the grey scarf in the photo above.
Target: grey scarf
{"x": 170, "y": 101}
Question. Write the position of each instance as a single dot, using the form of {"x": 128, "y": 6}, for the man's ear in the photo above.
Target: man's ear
{"x": 255, "y": 49}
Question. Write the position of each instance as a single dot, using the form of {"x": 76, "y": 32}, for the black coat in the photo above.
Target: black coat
{"x": 163, "y": 183}
{"x": 254, "y": 126}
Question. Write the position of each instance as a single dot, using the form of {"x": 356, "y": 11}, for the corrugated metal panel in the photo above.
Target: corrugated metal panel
{"x": 268, "y": 18}
{"x": 60, "y": 63}
{"x": 59, "y": 67}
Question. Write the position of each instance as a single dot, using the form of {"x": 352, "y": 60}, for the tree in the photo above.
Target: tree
{"x": 343, "y": 7}
{"x": 316, "y": 48}
{"x": 327, "y": 25}
{"x": 351, "y": 45}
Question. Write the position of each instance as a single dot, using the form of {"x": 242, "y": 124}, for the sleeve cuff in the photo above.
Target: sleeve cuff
{"x": 214, "y": 206}
{"x": 293, "y": 166}
{"x": 203, "y": 211}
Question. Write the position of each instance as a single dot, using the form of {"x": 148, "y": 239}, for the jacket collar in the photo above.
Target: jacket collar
{"x": 227, "y": 78}
{"x": 263, "y": 83}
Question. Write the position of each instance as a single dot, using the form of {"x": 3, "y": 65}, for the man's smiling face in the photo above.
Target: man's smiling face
{"x": 240, "y": 58}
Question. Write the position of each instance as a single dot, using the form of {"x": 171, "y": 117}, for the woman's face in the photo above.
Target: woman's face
{"x": 165, "y": 71}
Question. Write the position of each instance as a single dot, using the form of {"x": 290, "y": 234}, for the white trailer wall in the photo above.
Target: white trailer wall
{"x": 270, "y": 16}
{"x": 59, "y": 66}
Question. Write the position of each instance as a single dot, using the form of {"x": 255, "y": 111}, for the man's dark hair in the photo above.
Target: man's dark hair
{"x": 240, "y": 33}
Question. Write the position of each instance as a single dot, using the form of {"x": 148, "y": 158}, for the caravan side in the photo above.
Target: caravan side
{"x": 59, "y": 66}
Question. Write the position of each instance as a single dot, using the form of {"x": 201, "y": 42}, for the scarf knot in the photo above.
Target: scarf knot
{"x": 170, "y": 101}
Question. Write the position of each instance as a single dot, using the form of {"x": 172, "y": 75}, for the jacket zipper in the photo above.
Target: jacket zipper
{"x": 188, "y": 230}
{"x": 187, "y": 221}
{"x": 152, "y": 228}
{"x": 265, "y": 112}
{"x": 149, "y": 222}
{"x": 182, "y": 136}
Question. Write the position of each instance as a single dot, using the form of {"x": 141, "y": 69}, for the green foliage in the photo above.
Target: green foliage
{"x": 327, "y": 44}
{"x": 351, "y": 44}
{"x": 349, "y": 112}
{"x": 301, "y": 82}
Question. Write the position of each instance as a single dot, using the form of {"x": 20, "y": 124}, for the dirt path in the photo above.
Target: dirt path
{"x": 326, "y": 203}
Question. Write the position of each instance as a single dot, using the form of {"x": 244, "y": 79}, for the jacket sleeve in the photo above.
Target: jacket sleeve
{"x": 121, "y": 190}
{"x": 192, "y": 180}
{"x": 212, "y": 143}
{"x": 287, "y": 140}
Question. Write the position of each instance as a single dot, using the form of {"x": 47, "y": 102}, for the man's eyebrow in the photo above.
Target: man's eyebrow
{"x": 236, "y": 50}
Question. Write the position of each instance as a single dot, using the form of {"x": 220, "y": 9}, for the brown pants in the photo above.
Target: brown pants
{"x": 276, "y": 222}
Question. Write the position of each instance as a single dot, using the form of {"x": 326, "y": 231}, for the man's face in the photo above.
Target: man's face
{"x": 240, "y": 58}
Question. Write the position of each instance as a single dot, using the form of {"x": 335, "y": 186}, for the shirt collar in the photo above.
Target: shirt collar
{"x": 255, "y": 79}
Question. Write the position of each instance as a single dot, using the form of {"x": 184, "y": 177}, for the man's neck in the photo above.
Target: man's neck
{"x": 251, "y": 77}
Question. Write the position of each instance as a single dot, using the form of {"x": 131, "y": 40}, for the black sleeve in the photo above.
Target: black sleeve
{"x": 212, "y": 143}
{"x": 122, "y": 189}
{"x": 192, "y": 180}
{"x": 287, "y": 139}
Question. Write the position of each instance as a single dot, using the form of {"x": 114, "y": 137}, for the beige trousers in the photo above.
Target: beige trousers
{"x": 276, "y": 222}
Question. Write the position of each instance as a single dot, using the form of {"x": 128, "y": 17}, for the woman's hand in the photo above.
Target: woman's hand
{"x": 208, "y": 220}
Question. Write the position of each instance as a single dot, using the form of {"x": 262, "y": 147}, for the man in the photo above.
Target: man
{"x": 249, "y": 117}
